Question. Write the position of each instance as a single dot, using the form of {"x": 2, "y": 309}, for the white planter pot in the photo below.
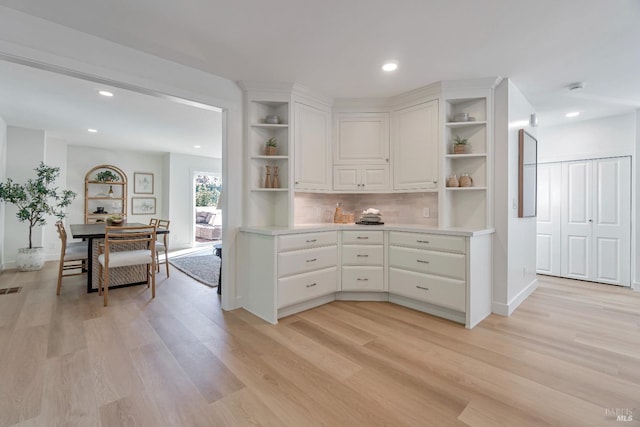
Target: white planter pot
{"x": 30, "y": 259}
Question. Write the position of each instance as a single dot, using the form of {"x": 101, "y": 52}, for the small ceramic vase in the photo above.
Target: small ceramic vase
{"x": 276, "y": 180}
{"x": 267, "y": 178}
{"x": 466, "y": 181}
{"x": 452, "y": 181}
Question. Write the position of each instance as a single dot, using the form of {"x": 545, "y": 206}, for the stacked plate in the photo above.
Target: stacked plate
{"x": 370, "y": 217}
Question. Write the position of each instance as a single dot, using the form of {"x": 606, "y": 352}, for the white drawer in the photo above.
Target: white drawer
{"x": 293, "y": 242}
{"x": 440, "y": 263}
{"x": 362, "y": 255}
{"x": 436, "y": 290}
{"x": 362, "y": 279}
{"x": 362, "y": 237}
{"x": 303, "y": 287}
{"x": 435, "y": 242}
{"x": 295, "y": 262}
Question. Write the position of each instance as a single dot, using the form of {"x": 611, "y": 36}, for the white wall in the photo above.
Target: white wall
{"x": 181, "y": 201}
{"x": 606, "y": 137}
{"x": 25, "y": 151}
{"x": 3, "y": 175}
{"x": 515, "y": 238}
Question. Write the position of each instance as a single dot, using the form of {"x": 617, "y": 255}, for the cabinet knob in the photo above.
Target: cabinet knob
{"x": 297, "y": 182}
{"x": 424, "y": 288}
{"x": 387, "y": 160}
{"x": 422, "y": 261}
{"x": 363, "y": 256}
{"x": 311, "y": 285}
{"x": 362, "y": 279}
{"x": 312, "y": 260}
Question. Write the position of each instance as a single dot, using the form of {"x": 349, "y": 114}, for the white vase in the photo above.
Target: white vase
{"x": 30, "y": 259}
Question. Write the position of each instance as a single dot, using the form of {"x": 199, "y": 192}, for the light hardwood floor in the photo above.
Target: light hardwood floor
{"x": 569, "y": 356}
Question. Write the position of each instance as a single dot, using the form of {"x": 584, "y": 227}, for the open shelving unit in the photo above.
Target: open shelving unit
{"x": 267, "y": 206}
{"x": 467, "y": 207}
{"x": 96, "y": 193}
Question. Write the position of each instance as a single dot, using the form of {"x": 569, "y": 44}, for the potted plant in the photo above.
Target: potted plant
{"x": 107, "y": 176}
{"x": 272, "y": 144}
{"x": 460, "y": 145}
{"x": 35, "y": 200}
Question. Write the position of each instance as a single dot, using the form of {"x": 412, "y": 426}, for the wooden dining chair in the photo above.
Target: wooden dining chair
{"x": 127, "y": 246}
{"x": 161, "y": 245}
{"x": 73, "y": 256}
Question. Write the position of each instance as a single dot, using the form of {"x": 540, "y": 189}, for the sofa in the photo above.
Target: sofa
{"x": 208, "y": 225}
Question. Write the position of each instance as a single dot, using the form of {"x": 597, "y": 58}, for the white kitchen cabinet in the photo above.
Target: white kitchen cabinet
{"x": 362, "y": 261}
{"x": 445, "y": 275}
{"x": 361, "y": 138}
{"x": 361, "y": 178}
{"x": 415, "y": 147}
{"x": 448, "y": 276}
{"x": 312, "y": 148}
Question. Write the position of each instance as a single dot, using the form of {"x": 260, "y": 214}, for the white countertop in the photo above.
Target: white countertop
{"x": 311, "y": 228}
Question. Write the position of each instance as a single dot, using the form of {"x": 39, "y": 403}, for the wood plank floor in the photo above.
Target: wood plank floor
{"x": 569, "y": 356}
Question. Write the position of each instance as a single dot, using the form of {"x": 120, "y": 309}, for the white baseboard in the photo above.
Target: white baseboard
{"x": 636, "y": 286}
{"x": 506, "y": 309}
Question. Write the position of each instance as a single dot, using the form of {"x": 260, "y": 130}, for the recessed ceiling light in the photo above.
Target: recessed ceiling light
{"x": 196, "y": 146}
{"x": 92, "y": 130}
{"x": 390, "y": 66}
{"x": 572, "y": 114}
{"x": 105, "y": 93}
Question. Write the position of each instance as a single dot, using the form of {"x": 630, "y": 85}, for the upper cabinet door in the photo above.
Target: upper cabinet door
{"x": 312, "y": 148}
{"x": 415, "y": 147}
{"x": 362, "y": 138}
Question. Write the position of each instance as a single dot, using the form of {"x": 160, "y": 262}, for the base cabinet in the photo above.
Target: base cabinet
{"x": 444, "y": 275}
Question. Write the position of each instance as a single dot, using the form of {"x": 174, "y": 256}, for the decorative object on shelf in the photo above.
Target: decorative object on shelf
{"x": 99, "y": 210}
{"x": 276, "y": 179}
{"x": 142, "y": 183}
{"x": 465, "y": 180}
{"x": 111, "y": 191}
{"x": 348, "y": 218}
{"x": 36, "y": 200}
{"x": 272, "y": 120}
{"x": 452, "y": 181}
{"x": 271, "y": 146}
{"x": 143, "y": 205}
{"x": 461, "y": 117}
{"x": 337, "y": 216}
{"x": 107, "y": 176}
{"x": 267, "y": 178}
{"x": 460, "y": 145}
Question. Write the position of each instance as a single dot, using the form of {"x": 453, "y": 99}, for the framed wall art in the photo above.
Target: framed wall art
{"x": 142, "y": 183}
{"x": 143, "y": 206}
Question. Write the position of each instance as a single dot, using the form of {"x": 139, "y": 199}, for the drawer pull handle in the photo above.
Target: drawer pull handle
{"x": 362, "y": 256}
{"x": 422, "y": 261}
{"x": 363, "y": 237}
{"x": 362, "y": 279}
{"x": 312, "y": 260}
{"x": 311, "y": 285}
{"x": 423, "y": 241}
{"x": 422, "y": 287}
{"x": 312, "y": 240}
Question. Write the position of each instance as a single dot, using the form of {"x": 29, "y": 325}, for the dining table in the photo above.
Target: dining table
{"x": 121, "y": 276}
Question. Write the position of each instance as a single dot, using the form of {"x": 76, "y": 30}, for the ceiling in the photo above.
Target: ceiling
{"x": 337, "y": 47}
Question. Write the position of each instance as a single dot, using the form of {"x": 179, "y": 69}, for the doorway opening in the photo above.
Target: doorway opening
{"x": 208, "y": 215}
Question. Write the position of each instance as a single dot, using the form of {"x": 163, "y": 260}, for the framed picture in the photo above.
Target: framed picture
{"x": 143, "y": 205}
{"x": 142, "y": 183}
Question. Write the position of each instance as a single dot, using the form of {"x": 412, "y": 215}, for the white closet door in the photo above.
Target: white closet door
{"x": 549, "y": 218}
{"x": 612, "y": 221}
{"x": 576, "y": 220}
{"x": 596, "y": 220}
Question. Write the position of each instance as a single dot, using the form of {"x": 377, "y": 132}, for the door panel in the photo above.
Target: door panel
{"x": 577, "y": 265}
{"x": 576, "y": 219}
{"x": 612, "y": 221}
{"x": 311, "y": 141}
{"x": 549, "y": 218}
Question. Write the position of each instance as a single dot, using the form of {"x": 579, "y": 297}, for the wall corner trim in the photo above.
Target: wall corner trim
{"x": 503, "y": 309}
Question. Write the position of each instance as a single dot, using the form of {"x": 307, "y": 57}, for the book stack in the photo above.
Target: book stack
{"x": 370, "y": 217}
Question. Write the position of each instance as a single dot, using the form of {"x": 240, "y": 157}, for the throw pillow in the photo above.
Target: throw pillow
{"x": 209, "y": 217}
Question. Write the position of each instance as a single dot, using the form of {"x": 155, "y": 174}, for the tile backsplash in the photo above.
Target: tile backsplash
{"x": 396, "y": 208}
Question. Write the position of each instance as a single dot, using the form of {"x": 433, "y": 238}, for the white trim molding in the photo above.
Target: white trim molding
{"x": 507, "y": 309}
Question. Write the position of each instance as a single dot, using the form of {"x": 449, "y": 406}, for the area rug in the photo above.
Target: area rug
{"x": 201, "y": 266}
